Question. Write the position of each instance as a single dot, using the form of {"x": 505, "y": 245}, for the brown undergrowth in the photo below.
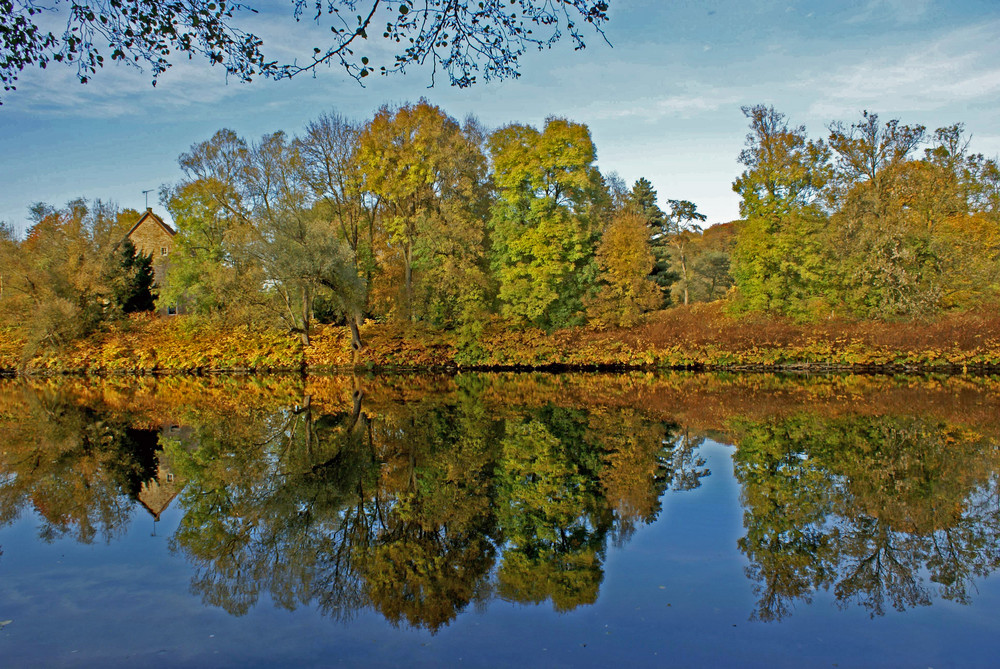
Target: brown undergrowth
{"x": 702, "y": 336}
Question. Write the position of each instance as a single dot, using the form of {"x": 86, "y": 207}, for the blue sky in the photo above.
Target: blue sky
{"x": 662, "y": 103}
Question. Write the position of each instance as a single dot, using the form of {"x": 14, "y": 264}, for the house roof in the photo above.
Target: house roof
{"x": 155, "y": 495}
{"x": 156, "y": 219}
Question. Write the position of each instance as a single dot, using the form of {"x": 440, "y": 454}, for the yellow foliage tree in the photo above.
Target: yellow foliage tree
{"x": 625, "y": 260}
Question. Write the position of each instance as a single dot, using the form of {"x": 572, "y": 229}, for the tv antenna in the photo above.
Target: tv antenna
{"x": 146, "y": 193}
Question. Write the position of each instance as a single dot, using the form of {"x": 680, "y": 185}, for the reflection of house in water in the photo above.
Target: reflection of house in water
{"x": 155, "y": 494}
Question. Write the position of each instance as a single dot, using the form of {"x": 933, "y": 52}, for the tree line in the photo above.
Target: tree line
{"x": 408, "y": 216}
{"x": 865, "y": 224}
{"x": 413, "y": 216}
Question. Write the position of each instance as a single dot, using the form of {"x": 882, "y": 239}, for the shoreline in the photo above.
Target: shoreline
{"x": 791, "y": 368}
{"x": 700, "y": 338}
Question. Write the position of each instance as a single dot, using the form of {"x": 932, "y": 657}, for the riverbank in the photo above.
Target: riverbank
{"x": 698, "y": 337}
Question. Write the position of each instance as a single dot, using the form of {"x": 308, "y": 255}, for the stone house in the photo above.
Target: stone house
{"x": 152, "y": 236}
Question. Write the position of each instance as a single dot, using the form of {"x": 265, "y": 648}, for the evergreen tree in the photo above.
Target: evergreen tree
{"x": 130, "y": 277}
{"x": 642, "y": 199}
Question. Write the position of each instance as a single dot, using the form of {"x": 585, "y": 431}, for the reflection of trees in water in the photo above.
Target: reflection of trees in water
{"x": 419, "y": 508}
{"x": 80, "y": 470}
{"x": 414, "y": 508}
{"x": 867, "y": 505}
{"x": 425, "y": 500}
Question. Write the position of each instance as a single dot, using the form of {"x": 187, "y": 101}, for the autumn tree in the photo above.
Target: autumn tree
{"x": 643, "y": 198}
{"x": 625, "y": 260}
{"x": 545, "y": 220}
{"x": 886, "y": 269}
{"x": 778, "y": 259}
{"x": 429, "y": 176}
{"x": 57, "y": 279}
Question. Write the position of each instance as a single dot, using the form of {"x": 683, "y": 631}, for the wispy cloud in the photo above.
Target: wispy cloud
{"x": 962, "y": 67}
{"x": 898, "y": 11}
{"x": 118, "y": 90}
{"x": 680, "y": 105}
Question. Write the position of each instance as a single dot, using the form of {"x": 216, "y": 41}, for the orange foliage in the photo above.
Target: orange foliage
{"x": 702, "y": 336}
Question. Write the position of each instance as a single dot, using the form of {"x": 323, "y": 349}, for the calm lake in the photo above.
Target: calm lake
{"x": 500, "y": 520}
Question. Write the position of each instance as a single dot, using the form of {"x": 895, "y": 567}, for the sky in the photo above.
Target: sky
{"x": 662, "y": 100}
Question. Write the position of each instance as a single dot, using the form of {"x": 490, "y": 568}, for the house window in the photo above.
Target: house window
{"x": 163, "y": 250}
{"x": 172, "y": 310}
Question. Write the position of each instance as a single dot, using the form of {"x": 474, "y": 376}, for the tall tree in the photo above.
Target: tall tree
{"x": 777, "y": 261}
{"x": 298, "y": 250}
{"x": 429, "y": 176}
{"x": 210, "y": 209}
{"x": 545, "y": 223}
{"x": 681, "y": 229}
{"x": 643, "y": 198}
{"x": 625, "y": 259}
{"x": 885, "y": 268}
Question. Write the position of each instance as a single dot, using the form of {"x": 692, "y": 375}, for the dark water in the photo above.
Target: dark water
{"x": 501, "y": 521}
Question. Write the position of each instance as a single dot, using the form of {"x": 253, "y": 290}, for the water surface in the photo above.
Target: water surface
{"x": 500, "y": 520}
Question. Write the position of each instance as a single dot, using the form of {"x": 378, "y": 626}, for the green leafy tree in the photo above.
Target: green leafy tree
{"x": 680, "y": 233}
{"x": 252, "y": 241}
{"x": 888, "y": 266}
{"x": 778, "y": 262}
{"x": 209, "y": 208}
{"x": 329, "y": 151}
{"x": 298, "y": 251}
{"x": 545, "y": 221}
{"x": 643, "y": 198}
{"x": 555, "y": 532}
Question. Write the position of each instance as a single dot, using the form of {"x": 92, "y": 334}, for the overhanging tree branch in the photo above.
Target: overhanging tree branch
{"x": 466, "y": 39}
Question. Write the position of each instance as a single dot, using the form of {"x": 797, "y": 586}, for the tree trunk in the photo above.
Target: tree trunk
{"x": 307, "y": 409}
{"x": 354, "y": 322}
{"x": 409, "y": 280}
{"x": 306, "y": 314}
{"x": 357, "y": 397}
{"x": 684, "y": 270}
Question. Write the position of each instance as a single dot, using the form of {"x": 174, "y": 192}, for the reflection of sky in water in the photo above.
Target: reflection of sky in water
{"x": 676, "y": 593}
